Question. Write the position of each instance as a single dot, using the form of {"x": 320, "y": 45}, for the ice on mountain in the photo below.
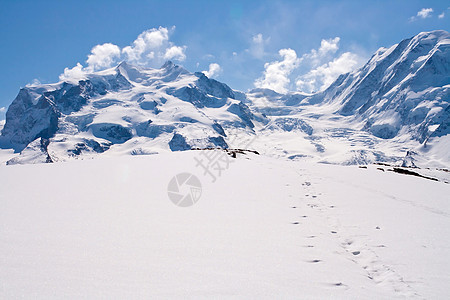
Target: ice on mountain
{"x": 290, "y": 124}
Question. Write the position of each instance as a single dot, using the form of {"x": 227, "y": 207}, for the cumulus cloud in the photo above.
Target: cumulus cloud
{"x": 2, "y": 109}
{"x": 425, "y": 13}
{"x": 103, "y": 56}
{"x": 151, "y": 44}
{"x": 176, "y": 53}
{"x": 441, "y": 16}
{"x": 329, "y": 46}
{"x": 314, "y": 71}
{"x": 326, "y": 49}
{"x": 150, "y": 49}
{"x": 257, "y": 46}
{"x": 324, "y": 75}
{"x": 214, "y": 70}
{"x": 276, "y": 74}
{"x": 422, "y": 14}
{"x": 74, "y": 74}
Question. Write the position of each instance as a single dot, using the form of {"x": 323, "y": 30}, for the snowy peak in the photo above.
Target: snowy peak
{"x": 131, "y": 73}
{"x": 168, "y": 72}
{"x": 171, "y": 71}
{"x": 400, "y": 90}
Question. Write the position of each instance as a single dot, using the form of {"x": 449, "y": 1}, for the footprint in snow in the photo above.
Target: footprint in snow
{"x": 336, "y": 285}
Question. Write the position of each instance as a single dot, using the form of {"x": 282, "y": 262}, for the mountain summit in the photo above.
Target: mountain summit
{"x": 401, "y": 89}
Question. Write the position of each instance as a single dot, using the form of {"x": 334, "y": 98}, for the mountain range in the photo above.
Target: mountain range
{"x": 394, "y": 109}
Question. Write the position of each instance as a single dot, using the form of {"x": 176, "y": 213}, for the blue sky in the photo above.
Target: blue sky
{"x": 237, "y": 42}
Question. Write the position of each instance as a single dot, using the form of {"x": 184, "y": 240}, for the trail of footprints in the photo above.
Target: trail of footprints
{"x": 356, "y": 248}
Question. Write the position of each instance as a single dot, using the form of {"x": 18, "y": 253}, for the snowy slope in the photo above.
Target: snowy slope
{"x": 266, "y": 228}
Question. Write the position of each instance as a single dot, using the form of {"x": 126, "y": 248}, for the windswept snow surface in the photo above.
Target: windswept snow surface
{"x": 266, "y": 228}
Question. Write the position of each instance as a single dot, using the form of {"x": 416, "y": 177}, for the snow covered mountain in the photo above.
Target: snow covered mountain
{"x": 398, "y": 103}
{"x": 394, "y": 109}
{"x": 127, "y": 108}
{"x": 401, "y": 89}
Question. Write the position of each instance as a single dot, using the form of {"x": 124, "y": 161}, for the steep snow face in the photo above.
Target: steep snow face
{"x": 155, "y": 109}
{"x": 401, "y": 90}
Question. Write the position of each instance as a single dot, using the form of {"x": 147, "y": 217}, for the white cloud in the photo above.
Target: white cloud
{"x": 441, "y": 16}
{"x": 214, "y": 70}
{"x": 103, "y": 56}
{"x": 34, "y": 82}
{"x": 257, "y": 46}
{"x": 175, "y": 52}
{"x": 326, "y": 49}
{"x": 150, "y": 49}
{"x": 276, "y": 74}
{"x": 423, "y": 14}
{"x": 150, "y": 44}
{"x": 2, "y": 109}
{"x": 321, "y": 77}
{"x": 320, "y": 67}
{"x": 329, "y": 46}
{"x": 73, "y": 75}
